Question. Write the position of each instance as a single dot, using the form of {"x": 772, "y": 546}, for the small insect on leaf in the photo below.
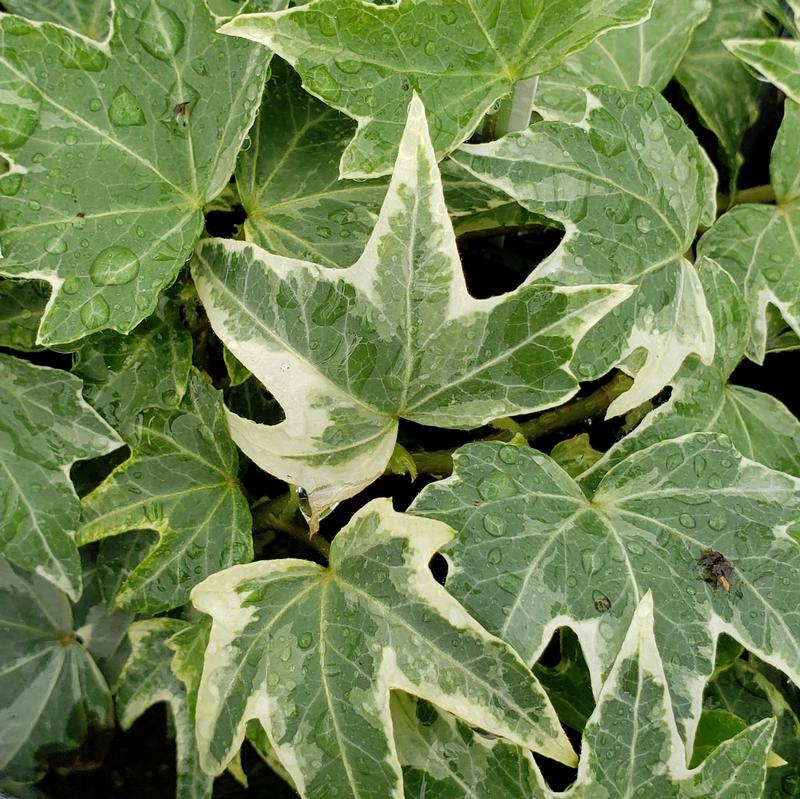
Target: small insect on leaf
{"x": 717, "y": 570}
{"x": 181, "y": 113}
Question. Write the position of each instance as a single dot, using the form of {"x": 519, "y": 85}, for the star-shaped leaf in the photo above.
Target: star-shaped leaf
{"x": 45, "y": 426}
{"x": 703, "y": 399}
{"x": 313, "y": 652}
{"x": 92, "y": 18}
{"x": 630, "y": 746}
{"x": 777, "y": 59}
{"x": 347, "y": 352}
{"x": 459, "y": 55}
{"x": 722, "y": 90}
{"x": 51, "y": 692}
{"x": 164, "y": 667}
{"x": 116, "y": 147}
{"x": 759, "y": 244}
{"x": 646, "y": 54}
{"x": 534, "y": 553}
{"x": 631, "y": 185}
{"x": 181, "y": 482}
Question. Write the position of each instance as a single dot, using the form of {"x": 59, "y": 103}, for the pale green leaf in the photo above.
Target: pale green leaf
{"x": 312, "y": 653}
{"x": 51, "y": 692}
{"x": 180, "y": 481}
{"x": 22, "y": 304}
{"x": 126, "y": 375}
{"x": 776, "y": 59}
{"x": 702, "y": 399}
{"x": 646, "y": 54}
{"x": 724, "y": 93}
{"x": 534, "y": 553}
{"x": 347, "y": 352}
{"x": 630, "y": 185}
{"x": 230, "y": 8}
{"x": 575, "y": 455}
{"x": 459, "y": 55}
{"x": 91, "y": 18}
{"x": 45, "y": 426}
{"x": 760, "y": 244}
{"x": 161, "y": 649}
{"x": 743, "y": 690}
{"x": 117, "y": 147}
{"x": 630, "y": 747}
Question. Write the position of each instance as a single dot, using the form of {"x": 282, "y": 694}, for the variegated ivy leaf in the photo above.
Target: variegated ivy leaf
{"x": 646, "y": 54}
{"x": 759, "y": 244}
{"x": 22, "y": 304}
{"x": 631, "y": 185}
{"x": 92, "y": 18}
{"x": 180, "y": 481}
{"x": 288, "y": 181}
{"x": 313, "y": 652}
{"x": 459, "y": 55}
{"x": 702, "y": 399}
{"x": 51, "y": 692}
{"x": 125, "y": 375}
{"x": 45, "y": 427}
{"x": 743, "y": 690}
{"x": 777, "y": 59}
{"x": 116, "y": 148}
{"x": 724, "y": 93}
{"x": 164, "y": 656}
{"x": 347, "y": 352}
{"x": 630, "y": 746}
{"x": 534, "y": 553}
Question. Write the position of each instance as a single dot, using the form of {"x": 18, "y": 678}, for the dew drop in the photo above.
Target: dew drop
{"x": 161, "y": 33}
{"x": 71, "y": 285}
{"x": 643, "y": 224}
{"x": 95, "y": 312}
{"x": 495, "y": 556}
{"x": 55, "y": 245}
{"x": 305, "y": 640}
{"x": 320, "y": 81}
{"x": 125, "y": 110}
{"x": 509, "y": 454}
{"x": 114, "y": 266}
{"x": 494, "y": 525}
{"x": 496, "y": 486}
{"x": 686, "y": 521}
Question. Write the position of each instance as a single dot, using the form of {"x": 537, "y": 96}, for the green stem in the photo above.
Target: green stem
{"x": 755, "y": 194}
{"x": 269, "y": 517}
{"x": 440, "y": 462}
{"x": 516, "y": 109}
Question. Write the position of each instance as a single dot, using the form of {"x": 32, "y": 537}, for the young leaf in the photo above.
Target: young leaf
{"x": 181, "y": 482}
{"x": 347, "y": 352}
{"x": 533, "y": 554}
{"x": 51, "y": 692}
{"x": 46, "y": 426}
{"x": 163, "y": 649}
{"x": 459, "y": 56}
{"x": 724, "y": 93}
{"x": 163, "y": 107}
{"x": 125, "y": 375}
{"x": 630, "y": 745}
{"x": 646, "y": 54}
{"x": 22, "y": 304}
{"x": 702, "y": 399}
{"x": 312, "y": 653}
{"x": 759, "y": 244}
{"x": 630, "y": 184}
{"x": 92, "y": 18}
{"x": 777, "y": 59}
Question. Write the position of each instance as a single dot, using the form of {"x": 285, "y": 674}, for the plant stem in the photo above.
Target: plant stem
{"x": 440, "y": 462}
{"x": 755, "y": 194}
{"x": 266, "y": 517}
{"x": 515, "y": 111}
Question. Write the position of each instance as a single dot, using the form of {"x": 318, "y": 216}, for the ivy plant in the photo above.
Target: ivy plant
{"x": 396, "y": 398}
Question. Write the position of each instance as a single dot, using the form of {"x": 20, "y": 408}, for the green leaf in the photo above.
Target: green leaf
{"x": 180, "y": 481}
{"x": 163, "y": 658}
{"x": 759, "y": 244}
{"x": 715, "y": 727}
{"x": 459, "y": 56}
{"x": 630, "y": 185}
{"x": 75, "y": 114}
{"x": 702, "y": 399}
{"x": 630, "y": 745}
{"x": 743, "y": 690}
{"x": 776, "y": 59}
{"x": 646, "y": 54}
{"x": 22, "y": 304}
{"x": 312, "y": 653}
{"x": 126, "y": 375}
{"x": 52, "y": 695}
{"x": 724, "y": 93}
{"x": 92, "y": 18}
{"x": 347, "y": 352}
{"x": 575, "y": 455}
{"x": 534, "y": 553}
{"x": 45, "y": 427}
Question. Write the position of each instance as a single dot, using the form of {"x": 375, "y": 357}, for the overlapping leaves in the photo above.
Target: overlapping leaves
{"x": 347, "y": 352}
{"x": 534, "y": 553}
{"x": 460, "y": 56}
{"x": 631, "y": 185}
{"x": 115, "y": 150}
{"x": 312, "y": 653}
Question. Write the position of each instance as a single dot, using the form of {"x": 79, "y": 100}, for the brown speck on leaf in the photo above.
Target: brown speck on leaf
{"x": 180, "y": 112}
{"x": 602, "y": 604}
{"x": 406, "y": 85}
{"x": 80, "y": 214}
